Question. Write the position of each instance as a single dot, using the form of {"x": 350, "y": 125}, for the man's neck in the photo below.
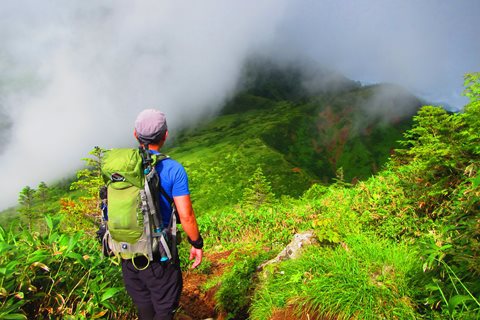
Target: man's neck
{"x": 155, "y": 146}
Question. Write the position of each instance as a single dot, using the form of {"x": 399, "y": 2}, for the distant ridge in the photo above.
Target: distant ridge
{"x": 339, "y": 124}
{"x": 296, "y": 132}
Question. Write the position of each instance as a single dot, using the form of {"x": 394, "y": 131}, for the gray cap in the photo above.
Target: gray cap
{"x": 150, "y": 125}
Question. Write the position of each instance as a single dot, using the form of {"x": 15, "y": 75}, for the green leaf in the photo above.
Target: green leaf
{"x": 454, "y": 301}
{"x": 431, "y": 287}
{"x": 48, "y": 220}
{"x": 110, "y": 292}
{"x": 76, "y": 256}
{"x": 476, "y": 182}
{"x": 4, "y": 247}
{"x": 107, "y": 304}
{"x": 39, "y": 256}
{"x": 14, "y": 316}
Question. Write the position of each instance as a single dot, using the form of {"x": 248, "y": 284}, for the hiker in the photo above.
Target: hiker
{"x": 156, "y": 289}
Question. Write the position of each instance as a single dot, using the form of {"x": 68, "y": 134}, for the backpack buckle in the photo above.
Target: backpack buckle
{"x": 117, "y": 177}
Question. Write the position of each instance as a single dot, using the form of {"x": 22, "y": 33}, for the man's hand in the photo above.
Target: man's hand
{"x": 196, "y": 254}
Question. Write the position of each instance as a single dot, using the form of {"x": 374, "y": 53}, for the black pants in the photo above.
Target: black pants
{"x": 155, "y": 290}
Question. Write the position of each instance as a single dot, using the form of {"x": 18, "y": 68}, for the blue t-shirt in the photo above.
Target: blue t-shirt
{"x": 174, "y": 180}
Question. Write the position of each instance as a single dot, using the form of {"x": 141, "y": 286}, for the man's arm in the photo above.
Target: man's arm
{"x": 190, "y": 226}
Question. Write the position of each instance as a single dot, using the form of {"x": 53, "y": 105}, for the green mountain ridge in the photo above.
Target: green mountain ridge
{"x": 299, "y": 129}
{"x": 296, "y": 143}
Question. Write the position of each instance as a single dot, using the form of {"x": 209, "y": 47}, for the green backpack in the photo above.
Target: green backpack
{"x": 134, "y": 226}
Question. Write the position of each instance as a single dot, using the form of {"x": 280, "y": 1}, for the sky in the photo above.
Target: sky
{"x": 75, "y": 74}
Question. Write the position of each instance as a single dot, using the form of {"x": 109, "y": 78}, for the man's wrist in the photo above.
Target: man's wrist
{"x": 197, "y": 244}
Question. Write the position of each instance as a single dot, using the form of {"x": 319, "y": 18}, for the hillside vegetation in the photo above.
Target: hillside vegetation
{"x": 397, "y": 231}
{"x": 295, "y": 137}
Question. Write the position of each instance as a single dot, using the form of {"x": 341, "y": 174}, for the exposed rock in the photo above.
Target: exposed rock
{"x": 293, "y": 249}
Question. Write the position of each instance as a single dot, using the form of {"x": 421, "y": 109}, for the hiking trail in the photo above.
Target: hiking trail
{"x": 195, "y": 303}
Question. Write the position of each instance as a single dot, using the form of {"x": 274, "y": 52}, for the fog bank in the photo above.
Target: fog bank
{"x": 75, "y": 74}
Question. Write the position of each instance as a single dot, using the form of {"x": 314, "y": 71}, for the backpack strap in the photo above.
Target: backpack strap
{"x": 171, "y": 251}
{"x": 151, "y": 183}
{"x": 166, "y": 195}
{"x": 172, "y": 225}
{"x": 172, "y": 204}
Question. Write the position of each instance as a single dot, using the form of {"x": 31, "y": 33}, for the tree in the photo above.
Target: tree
{"x": 90, "y": 178}
{"x": 26, "y": 200}
{"x": 258, "y": 192}
{"x": 42, "y": 195}
{"x": 83, "y": 214}
{"x": 472, "y": 86}
{"x": 472, "y": 112}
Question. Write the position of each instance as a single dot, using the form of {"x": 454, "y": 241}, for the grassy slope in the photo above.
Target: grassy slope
{"x": 383, "y": 254}
{"x": 295, "y": 144}
{"x": 222, "y": 155}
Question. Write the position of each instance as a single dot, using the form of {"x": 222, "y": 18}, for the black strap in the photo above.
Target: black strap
{"x": 170, "y": 200}
{"x": 174, "y": 211}
{"x": 165, "y": 194}
{"x": 197, "y": 244}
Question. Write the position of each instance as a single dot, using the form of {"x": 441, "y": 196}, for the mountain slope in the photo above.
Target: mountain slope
{"x": 295, "y": 142}
{"x": 223, "y": 154}
{"x": 354, "y": 130}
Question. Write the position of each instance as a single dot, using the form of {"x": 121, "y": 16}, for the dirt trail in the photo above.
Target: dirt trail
{"x": 195, "y": 303}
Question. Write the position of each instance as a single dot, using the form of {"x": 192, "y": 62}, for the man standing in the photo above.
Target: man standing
{"x": 156, "y": 289}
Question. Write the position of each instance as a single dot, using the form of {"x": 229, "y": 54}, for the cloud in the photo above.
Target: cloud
{"x": 85, "y": 69}
{"x": 75, "y": 74}
{"x": 426, "y": 46}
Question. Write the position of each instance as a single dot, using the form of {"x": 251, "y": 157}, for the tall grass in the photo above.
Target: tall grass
{"x": 366, "y": 278}
{"x": 58, "y": 275}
